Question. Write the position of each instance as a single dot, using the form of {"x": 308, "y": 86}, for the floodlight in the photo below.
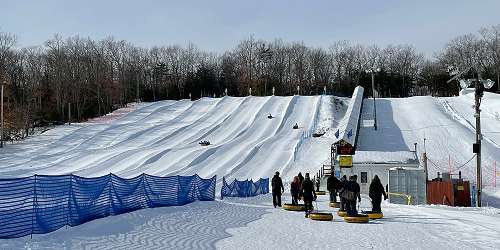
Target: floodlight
{"x": 488, "y": 83}
{"x": 464, "y": 83}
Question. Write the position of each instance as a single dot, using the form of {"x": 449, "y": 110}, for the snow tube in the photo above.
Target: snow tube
{"x": 320, "y": 192}
{"x": 291, "y": 207}
{"x": 360, "y": 218}
{"x": 374, "y": 215}
{"x": 335, "y": 204}
{"x": 341, "y": 213}
{"x": 321, "y": 216}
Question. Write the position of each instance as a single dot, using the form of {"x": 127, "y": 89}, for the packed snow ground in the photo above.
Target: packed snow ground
{"x": 252, "y": 223}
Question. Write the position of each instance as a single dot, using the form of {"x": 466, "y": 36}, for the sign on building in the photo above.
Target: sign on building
{"x": 345, "y": 161}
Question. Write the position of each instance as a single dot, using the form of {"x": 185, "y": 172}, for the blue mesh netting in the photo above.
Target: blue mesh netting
{"x": 41, "y": 204}
{"x": 245, "y": 188}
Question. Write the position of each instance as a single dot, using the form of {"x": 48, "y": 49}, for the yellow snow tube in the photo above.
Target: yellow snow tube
{"x": 320, "y": 192}
{"x": 321, "y": 216}
{"x": 360, "y": 218}
{"x": 341, "y": 213}
{"x": 375, "y": 216}
{"x": 291, "y": 207}
{"x": 298, "y": 207}
{"x": 335, "y": 204}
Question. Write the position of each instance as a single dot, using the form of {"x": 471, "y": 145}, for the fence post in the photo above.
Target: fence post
{"x": 34, "y": 207}
{"x": 70, "y": 193}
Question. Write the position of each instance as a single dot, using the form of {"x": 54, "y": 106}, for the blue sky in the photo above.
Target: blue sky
{"x": 219, "y": 25}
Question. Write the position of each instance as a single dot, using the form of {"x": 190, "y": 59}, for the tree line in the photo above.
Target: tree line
{"x": 93, "y": 77}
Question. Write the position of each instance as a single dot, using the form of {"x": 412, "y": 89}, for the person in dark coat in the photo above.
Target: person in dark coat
{"x": 277, "y": 188}
{"x": 351, "y": 192}
{"x": 301, "y": 179}
{"x": 295, "y": 190}
{"x": 342, "y": 183}
{"x": 318, "y": 184}
{"x": 375, "y": 193}
{"x": 308, "y": 193}
{"x": 332, "y": 184}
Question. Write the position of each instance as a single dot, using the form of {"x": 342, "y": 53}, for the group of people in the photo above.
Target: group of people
{"x": 347, "y": 189}
{"x": 301, "y": 188}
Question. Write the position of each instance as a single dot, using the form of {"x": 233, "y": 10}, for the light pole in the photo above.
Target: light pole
{"x": 372, "y": 72}
{"x": 479, "y": 87}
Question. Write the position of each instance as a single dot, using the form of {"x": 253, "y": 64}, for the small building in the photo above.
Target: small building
{"x": 367, "y": 164}
{"x": 407, "y": 186}
{"x": 449, "y": 191}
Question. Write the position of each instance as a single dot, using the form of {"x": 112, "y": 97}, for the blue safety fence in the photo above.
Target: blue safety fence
{"x": 246, "y": 188}
{"x": 40, "y": 204}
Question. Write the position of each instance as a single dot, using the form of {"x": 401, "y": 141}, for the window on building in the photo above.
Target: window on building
{"x": 364, "y": 177}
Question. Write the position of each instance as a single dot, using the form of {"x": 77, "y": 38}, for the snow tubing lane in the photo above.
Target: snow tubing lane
{"x": 334, "y": 204}
{"x": 321, "y": 216}
{"x": 374, "y": 215}
{"x": 320, "y": 192}
{"x": 360, "y": 218}
{"x": 342, "y": 213}
{"x": 291, "y": 207}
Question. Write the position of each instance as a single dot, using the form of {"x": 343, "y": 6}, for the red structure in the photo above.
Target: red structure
{"x": 448, "y": 191}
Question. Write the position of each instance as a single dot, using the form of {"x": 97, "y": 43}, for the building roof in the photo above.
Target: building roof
{"x": 384, "y": 157}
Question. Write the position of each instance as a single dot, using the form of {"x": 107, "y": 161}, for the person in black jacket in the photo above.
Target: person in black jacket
{"x": 342, "y": 183}
{"x": 308, "y": 194}
{"x": 375, "y": 193}
{"x": 277, "y": 188}
{"x": 295, "y": 190}
{"x": 301, "y": 179}
{"x": 332, "y": 184}
{"x": 351, "y": 192}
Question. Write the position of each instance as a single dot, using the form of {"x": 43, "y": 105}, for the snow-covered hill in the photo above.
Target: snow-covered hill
{"x": 162, "y": 138}
{"x": 447, "y": 124}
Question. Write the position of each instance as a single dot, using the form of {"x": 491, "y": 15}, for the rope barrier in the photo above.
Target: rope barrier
{"x": 409, "y": 198}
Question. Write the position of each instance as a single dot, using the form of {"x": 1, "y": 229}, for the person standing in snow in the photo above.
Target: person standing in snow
{"x": 295, "y": 190}
{"x": 308, "y": 194}
{"x": 318, "y": 183}
{"x": 341, "y": 186}
{"x": 301, "y": 179}
{"x": 332, "y": 184}
{"x": 351, "y": 192}
{"x": 375, "y": 193}
{"x": 277, "y": 188}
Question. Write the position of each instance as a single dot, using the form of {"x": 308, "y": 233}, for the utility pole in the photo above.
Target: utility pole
{"x": 477, "y": 95}
{"x": 372, "y": 72}
{"x": 424, "y": 157}
{"x": 1, "y": 132}
{"x": 374, "y": 105}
